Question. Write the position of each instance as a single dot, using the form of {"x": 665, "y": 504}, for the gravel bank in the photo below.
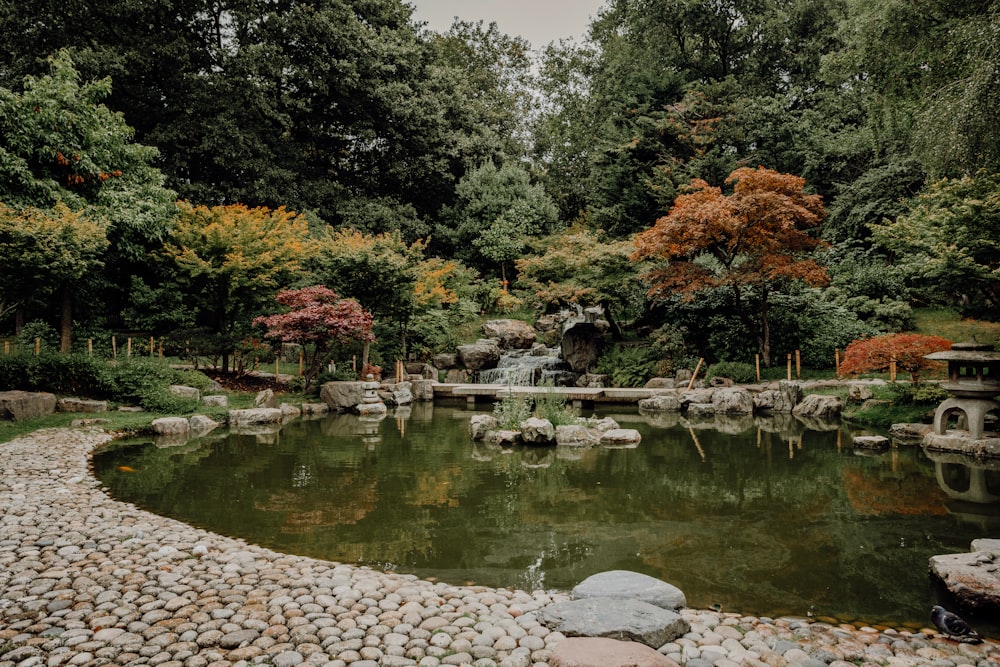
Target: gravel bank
{"x": 87, "y": 580}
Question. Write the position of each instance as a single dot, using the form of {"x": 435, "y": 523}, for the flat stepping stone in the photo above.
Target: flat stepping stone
{"x": 601, "y": 652}
{"x": 625, "y": 584}
{"x": 630, "y": 620}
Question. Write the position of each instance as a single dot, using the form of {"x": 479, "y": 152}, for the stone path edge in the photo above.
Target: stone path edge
{"x": 89, "y": 580}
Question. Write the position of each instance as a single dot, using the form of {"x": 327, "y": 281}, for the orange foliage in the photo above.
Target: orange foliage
{"x": 908, "y": 350}
{"x": 757, "y": 235}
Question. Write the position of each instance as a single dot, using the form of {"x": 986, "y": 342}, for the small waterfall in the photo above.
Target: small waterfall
{"x": 524, "y": 368}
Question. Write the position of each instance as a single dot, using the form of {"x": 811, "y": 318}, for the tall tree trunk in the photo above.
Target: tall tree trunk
{"x": 66, "y": 321}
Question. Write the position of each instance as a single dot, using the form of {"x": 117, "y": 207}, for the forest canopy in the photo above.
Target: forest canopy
{"x": 468, "y": 163}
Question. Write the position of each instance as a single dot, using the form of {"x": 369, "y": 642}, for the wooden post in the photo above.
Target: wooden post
{"x": 161, "y": 348}
{"x": 757, "y": 361}
{"x": 276, "y": 369}
{"x": 6, "y": 347}
{"x": 90, "y": 347}
{"x": 789, "y": 366}
{"x": 300, "y": 362}
{"x": 38, "y": 346}
{"x": 152, "y": 346}
{"x": 798, "y": 365}
{"x": 694, "y": 376}
{"x": 354, "y": 363}
{"x": 892, "y": 370}
{"x": 836, "y": 360}
{"x": 128, "y": 352}
{"x": 114, "y": 347}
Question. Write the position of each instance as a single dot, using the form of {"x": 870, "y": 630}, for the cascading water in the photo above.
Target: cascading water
{"x": 526, "y": 368}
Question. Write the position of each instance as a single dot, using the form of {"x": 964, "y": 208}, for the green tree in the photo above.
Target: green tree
{"x": 45, "y": 252}
{"x": 59, "y": 143}
{"x": 948, "y": 243}
{"x": 491, "y": 202}
{"x": 580, "y": 266}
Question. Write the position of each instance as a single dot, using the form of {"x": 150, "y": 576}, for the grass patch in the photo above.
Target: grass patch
{"x": 949, "y": 324}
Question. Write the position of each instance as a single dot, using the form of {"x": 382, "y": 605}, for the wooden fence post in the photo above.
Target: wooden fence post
{"x": 789, "y": 366}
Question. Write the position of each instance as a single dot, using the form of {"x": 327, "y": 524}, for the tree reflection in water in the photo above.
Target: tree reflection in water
{"x": 758, "y": 516}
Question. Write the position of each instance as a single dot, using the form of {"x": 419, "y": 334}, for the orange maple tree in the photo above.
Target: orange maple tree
{"x": 753, "y": 240}
{"x": 906, "y": 349}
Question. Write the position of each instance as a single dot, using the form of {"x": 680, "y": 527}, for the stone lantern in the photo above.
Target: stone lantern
{"x": 973, "y": 381}
{"x": 371, "y": 403}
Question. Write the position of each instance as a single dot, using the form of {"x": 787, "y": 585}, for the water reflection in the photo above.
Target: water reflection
{"x": 756, "y": 515}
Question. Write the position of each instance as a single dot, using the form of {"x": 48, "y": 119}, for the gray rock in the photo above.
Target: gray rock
{"x": 819, "y": 406}
{"x": 183, "y": 391}
{"x": 987, "y": 544}
{"x": 457, "y": 376}
{"x": 972, "y": 578}
{"x": 265, "y": 399}
{"x": 621, "y": 437}
{"x": 315, "y": 408}
{"x": 587, "y": 651}
{"x": 661, "y": 403}
{"x": 484, "y": 353}
{"x": 630, "y": 585}
{"x": 289, "y": 411}
{"x": 216, "y": 400}
{"x": 19, "y": 405}
{"x": 445, "y": 361}
{"x": 660, "y": 383}
{"x": 871, "y": 442}
{"x": 859, "y": 392}
{"x": 201, "y": 424}
{"x": 576, "y": 435}
{"x": 512, "y": 334}
{"x": 536, "y": 431}
{"x": 423, "y": 390}
{"x": 341, "y": 396}
{"x": 81, "y": 405}
{"x": 628, "y": 620}
{"x": 480, "y": 425}
{"x": 171, "y": 426}
{"x": 909, "y": 433}
{"x": 254, "y": 416}
{"x": 733, "y": 401}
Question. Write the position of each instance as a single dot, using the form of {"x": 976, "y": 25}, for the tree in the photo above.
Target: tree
{"x": 748, "y": 243}
{"x": 317, "y": 321}
{"x": 59, "y": 143}
{"x": 496, "y": 209}
{"x": 230, "y": 260}
{"x": 948, "y": 242}
{"x": 580, "y": 266}
{"x": 906, "y": 350}
{"x": 45, "y": 252}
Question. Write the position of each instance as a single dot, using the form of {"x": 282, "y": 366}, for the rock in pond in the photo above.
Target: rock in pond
{"x": 626, "y": 584}
{"x": 631, "y": 620}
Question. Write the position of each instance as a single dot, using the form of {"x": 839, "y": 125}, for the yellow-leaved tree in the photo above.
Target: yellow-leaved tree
{"x": 232, "y": 260}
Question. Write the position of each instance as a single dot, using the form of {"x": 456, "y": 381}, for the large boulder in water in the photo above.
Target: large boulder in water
{"x": 511, "y": 334}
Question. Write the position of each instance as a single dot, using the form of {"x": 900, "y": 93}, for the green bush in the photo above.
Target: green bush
{"x": 737, "y": 372}
{"x": 552, "y": 406}
{"x": 54, "y": 372}
{"x": 628, "y": 365}
{"x": 36, "y": 329}
{"x": 511, "y": 410}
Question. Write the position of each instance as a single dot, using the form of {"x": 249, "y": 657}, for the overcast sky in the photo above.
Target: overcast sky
{"x": 538, "y": 21}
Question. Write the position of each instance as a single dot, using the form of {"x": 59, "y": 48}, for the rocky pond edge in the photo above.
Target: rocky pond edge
{"x": 89, "y": 580}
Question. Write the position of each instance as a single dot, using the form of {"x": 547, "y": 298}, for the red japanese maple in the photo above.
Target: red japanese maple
{"x": 318, "y": 320}
{"x": 907, "y": 350}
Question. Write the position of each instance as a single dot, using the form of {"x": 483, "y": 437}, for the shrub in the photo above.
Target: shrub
{"x": 907, "y": 350}
{"x": 511, "y": 410}
{"x": 552, "y": 406}
{"x": 734, "y": 370}
{"x": 53, "y": 372}
{"x": 628, "y": 365}
{"x": 36, "y": 329}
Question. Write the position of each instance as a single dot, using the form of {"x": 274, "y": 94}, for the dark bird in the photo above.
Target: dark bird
{"x": 954, "y": 625}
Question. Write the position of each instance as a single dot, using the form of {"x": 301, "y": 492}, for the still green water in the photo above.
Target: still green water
{"x": 760, "y": 517}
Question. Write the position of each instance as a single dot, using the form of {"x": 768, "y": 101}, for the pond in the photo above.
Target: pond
{"x": 761, "y": 517}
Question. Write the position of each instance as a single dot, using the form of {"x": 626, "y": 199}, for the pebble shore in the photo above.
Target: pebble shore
{"x": 87, "y": 580}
